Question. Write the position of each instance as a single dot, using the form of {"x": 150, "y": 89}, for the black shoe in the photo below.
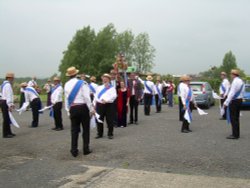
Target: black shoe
{"x": 130, "y": 123}
{"x": 222, "y": 118}
{"x": 87, "y": 152}
{"x": 185, "y": 131}
{"x": 59, "y": 129}
{"x": 97, "y": 137}
{"x": 189, "y": 130}
{"x": 54, "y": 128}
{"x": 32, "y": 126}
{"x": 111, "y": 137}
{"x": 8, "y": 136}
{"x": 12, "y": 134}
{"x": 74, "y": 153}
{"x": 232, "y": 137}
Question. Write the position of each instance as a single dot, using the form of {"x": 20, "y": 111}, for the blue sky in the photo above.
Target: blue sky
{"x": 189, "y": 36}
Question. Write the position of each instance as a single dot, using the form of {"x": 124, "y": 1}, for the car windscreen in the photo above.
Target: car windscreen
{"x": 247, "y": 88}
{"x": 196, "y": 87}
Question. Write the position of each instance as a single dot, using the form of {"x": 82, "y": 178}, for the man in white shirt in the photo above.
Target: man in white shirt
{"x": 104, "y": 101}
{"x": 7, "y": 104}
{"x": 32, "y": 97}
{"x": 56, "y": 101}
{"x": 233, "y": 102}
{"x": 32, "y": 83}
{"x": 92, "y": 86}
{"x": 188, "y": 102}
{"x": 224, "y": 90}
{"x": 148, "y": 93}
{"x": 158, "y": 94}
{"x": 78, "y": 105}
{"x": 179, "y": 99}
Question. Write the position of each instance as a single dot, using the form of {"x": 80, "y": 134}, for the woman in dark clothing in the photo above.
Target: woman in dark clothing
{"x": 122, "y": 105}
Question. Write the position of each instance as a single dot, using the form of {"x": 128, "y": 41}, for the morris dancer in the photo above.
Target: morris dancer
{"x": 233, "y": 102}
{"x": 158, "y": 94}
{"x": 224, "y": 90}
{"x": 7, "y": 104}
{"x": 56, "y": 101}
{"x": 78, "y": 105}
{"x": 104, "y": 101}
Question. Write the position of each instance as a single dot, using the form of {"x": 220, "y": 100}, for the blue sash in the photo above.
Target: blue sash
{"x": 53, "y": 89}
{"x": 92, "y": 88}
{"x": 104, "y": 91}
{"x": 148, "y": 88}
{"x": 188, "y": 99}
{"x": 159, "y": 94}
{"x": 237, "y": 94}
{"x": 74, "y": 92}
{"x": 4, "y": 83}
{"x": 223, "y": 88}
{"x": 32, "y": 90}
{"x": 51, "y": 111}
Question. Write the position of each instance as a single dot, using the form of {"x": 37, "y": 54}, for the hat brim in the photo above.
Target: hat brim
{"x": 73, "y": 74}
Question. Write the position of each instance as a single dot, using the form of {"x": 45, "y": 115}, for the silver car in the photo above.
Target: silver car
{"x": 203, "y": 93}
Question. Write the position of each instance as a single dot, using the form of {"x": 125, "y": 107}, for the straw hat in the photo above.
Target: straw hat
{"x": 223, "y": 73}
{"x": 158, "y": 78}
{"x": 93, "y": 79}
{"x": 185, "y": 78}
{"x": 10, "y": 75}
{"x": 56, "y": 78}
{"x": 72, "y": 71}
{"x": 149, "y": 78}
{"x": 24, "y": 84}
{"x": 235, "y": 72}
{"x": 107, "y": 76}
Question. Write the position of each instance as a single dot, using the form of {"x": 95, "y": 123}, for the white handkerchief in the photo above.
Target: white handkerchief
{"x": 46, "y": 108}
{"x": 97, "y": 116}
{"x": 92, "y": 122}
{"x": 216, "y": 96}
{"x": 187, "y": 117}
{"x": 201, "y": 112}
{"x": 222, "y": 111}
{"x": 23, "y": 108}
{"x": 13, "y": 121}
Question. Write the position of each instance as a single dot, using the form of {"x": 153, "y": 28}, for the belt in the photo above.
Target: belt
{"x": 77, "y": 104}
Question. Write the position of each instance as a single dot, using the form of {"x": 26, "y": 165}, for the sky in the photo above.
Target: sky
{"x": 189, "y": 36}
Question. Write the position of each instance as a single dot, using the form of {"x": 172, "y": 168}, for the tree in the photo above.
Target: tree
{"x": 125, "y": 45}
{"x": 229, "y": 62}
{"x": 144, "y": 53}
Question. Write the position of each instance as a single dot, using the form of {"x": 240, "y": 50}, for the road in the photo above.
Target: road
{"x": 40, "y": 157}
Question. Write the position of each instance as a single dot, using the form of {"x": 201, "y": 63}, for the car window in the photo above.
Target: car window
{"x": 247, "y": 88}
{"x": 209, "y": 87}
{"x": 196, "y": 87}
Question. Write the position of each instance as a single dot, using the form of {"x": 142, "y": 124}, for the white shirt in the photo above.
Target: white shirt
{"x": 226, "y": 85}
{"x": 160, "y": 88}
{"x": 94, "y": 85}
{"x": 32, "y": 83}
{"x": 184, "y": 89}
{"x": 150, "y": 84}
{"x": 82, "y": 97}
{"x": 30, "y": 96}
{"x": 235, "y": 87}
{"x": 109, "y": 96}
{"x": 113, "y": 83}
{"x": 7, "y": 93}
{"x": 178, "y": 88}
{"x": 57, "y": 95}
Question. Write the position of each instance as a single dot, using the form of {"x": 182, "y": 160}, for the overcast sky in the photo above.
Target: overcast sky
{"x": 189, "y": 35}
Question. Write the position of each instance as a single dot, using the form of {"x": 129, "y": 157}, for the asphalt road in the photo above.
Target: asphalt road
{"x": 40, "y": 157}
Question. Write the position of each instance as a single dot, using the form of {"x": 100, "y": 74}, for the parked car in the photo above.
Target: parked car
{"x": 203, "y": 94}
{"x": 246, "y": 98}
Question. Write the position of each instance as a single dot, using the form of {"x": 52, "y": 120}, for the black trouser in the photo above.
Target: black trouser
{"x": 35, "y": 106}
{"x": 234, "y": 108}
{"x": 180, "y": 109}
{"x": 221, "y": 103}
{"x": 133, "y": 103}
{"x": 157, "y": 103}
{"x": 57, "y": 112}
{"x": 105, "y": 111}
{"x": 22, "y": 99}
{"x": 147, "y": 103}
{"x": 6, "y": 118}
{"x": 185, "y": 124}
{"x": 79, "y": 115}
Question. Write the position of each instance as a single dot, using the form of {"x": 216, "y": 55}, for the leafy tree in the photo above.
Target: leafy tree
{"x": 144, "y": 53}
{"x": 229, "y": 62}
